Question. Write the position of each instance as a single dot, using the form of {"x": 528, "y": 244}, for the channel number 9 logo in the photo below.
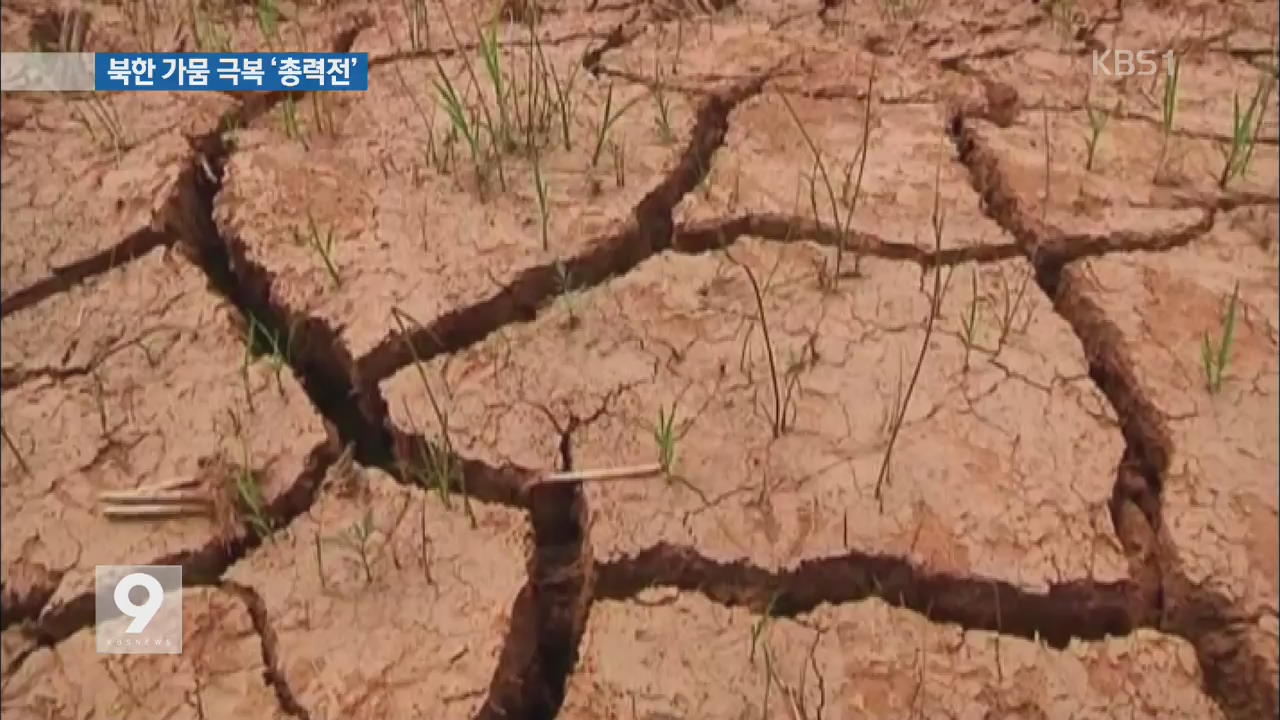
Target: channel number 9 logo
{"x": 146, "y": 612}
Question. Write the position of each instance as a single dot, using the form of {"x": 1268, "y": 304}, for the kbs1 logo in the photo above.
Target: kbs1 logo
{"x": 138, "y": 609}
{"x": 1123, "y": 63}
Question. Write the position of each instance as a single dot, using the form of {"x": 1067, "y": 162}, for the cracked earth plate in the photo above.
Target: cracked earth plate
{"x": 409, "y": 236}
{"x": 1004, "y": 471}
{"x": 220, "y": 674}
{"x": 1147, "y": 316}
{"x": 668, "y": 654}
{"x": 132, "y": 379}
{"x": 419, "y": 634}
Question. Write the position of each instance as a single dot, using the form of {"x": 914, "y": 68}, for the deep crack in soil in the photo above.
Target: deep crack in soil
{"x": 1077, "y": 609}
{"x": 270, "y": 654}
{"x": 1240, "y": 683}
{"x": 650, "y": 231}
{"x": 549, "y": 614}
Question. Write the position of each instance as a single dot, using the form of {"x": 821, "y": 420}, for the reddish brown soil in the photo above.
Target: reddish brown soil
{"x": 1066, "y": 523}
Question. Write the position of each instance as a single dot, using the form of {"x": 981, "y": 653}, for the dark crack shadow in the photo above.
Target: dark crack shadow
{"x": 1083, "y": 609}
{"x": 1239, "y": 682}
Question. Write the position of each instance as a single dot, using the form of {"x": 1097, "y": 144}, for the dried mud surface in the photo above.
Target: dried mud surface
{"x": 944, "y": 441}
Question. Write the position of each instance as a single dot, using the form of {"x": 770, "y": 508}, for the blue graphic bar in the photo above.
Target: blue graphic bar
{"x": 231, "y": 72}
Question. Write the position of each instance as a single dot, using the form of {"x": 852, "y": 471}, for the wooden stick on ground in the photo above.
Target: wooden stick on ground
{"x": 632, "y": 472}
{"x": 156, "y": 501}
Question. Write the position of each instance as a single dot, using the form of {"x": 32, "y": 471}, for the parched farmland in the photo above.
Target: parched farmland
{"x": 649, "y": 360}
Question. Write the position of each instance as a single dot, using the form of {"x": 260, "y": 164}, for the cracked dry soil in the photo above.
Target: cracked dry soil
{"x": 1070, "y": 524}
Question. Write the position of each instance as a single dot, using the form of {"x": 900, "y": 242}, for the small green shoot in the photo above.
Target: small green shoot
{"x": 778, "y": 421}
{"x": 248, "y": 491}
{"x": 419, "y": 26}
{"x": 1011, "y": 303}
{"x": 660, "y": 99}
{"x": 319, "y": 545}
{"x": 261, "y": 340}
{"x": 356, "y": 539}
{"x": 1245, "y": 127}
{"x": 73, "y": 32}
{"x": 17, "y": 454}
{"x": 1097, "y": 123}
{"x": 439, "y": 463}
{"x": 1063, "y": 16}
{"x": 289, "y": 118}
{"x": 251, "y": 502}
{"x": 760, "y": 627}
{"x": 460, "y": 118}
{"x": 938, "y": 221}
{"x": 664, "y": 434}
{"x": 210, "y": 36}
{"x": 490, "y": 53}
{"x": 1215, "y": 356}
{"x": 322, "y": 113}
{"x": 618, "y": 153}
{"x": 607, "y": 120}
{"x": 544, "y": 210}
{"x": 843, "y": 224}
{"x": 564, "y": 100}
{"x": 322, "y": 243}
{"x": 102, "y": 121}
{"x": 904, "y": 10}
{"x": 268, "y": 16}
{"x": 1168, "y": 111}
{"x": 969, "y": 322}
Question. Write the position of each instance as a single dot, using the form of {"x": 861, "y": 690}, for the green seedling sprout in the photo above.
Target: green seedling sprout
{"x": 607, "y": 121}
{"x": 356, "y": 539}
{"x": 322, "y": 243}
{"x": 209, "y": 35}
{"x": 778, "y": 421}
{"x": 322, "y": 114}
{"x": 440, "y": 464}
{"x": 489, "y": 49}
{"x": 268, "y": 21}
{"x": 843, "y": 225}
{"x": 1097, "y": 123}
{"x": 759, "y": 628}
{"x": 248, "y": 490}
{"x": 1215, "y": 356}
{"x": 663, "y": 103}
{"x": 102, "y": 117}
{"x": 938, "y": 221}
{"x": 1245, "y": 127}
{"x": 319, "y": 547}
{"x": 1168, "y": 110}
{"x": 969, "y": 322}
{"x": 289, "y": 118}
{"x": 277, "y": 355}
{"x": 544, "y": 211}
{"x": 618, "y": 153}
{"x": 418, "y": 24}
{"x": 13, "y": 447}
{"x": 249, "y": 495}
{"x": 490, "y": 53}
{"x": 908, "y": 10}
{"x": 1011, "y": 303}
{"x": 459, "y": 117}
{"x": 564, "y": 99}
{"x": 664, "y": 434}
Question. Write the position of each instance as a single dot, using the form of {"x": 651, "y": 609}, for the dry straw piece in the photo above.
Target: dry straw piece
{"x": 169, "y": 499}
